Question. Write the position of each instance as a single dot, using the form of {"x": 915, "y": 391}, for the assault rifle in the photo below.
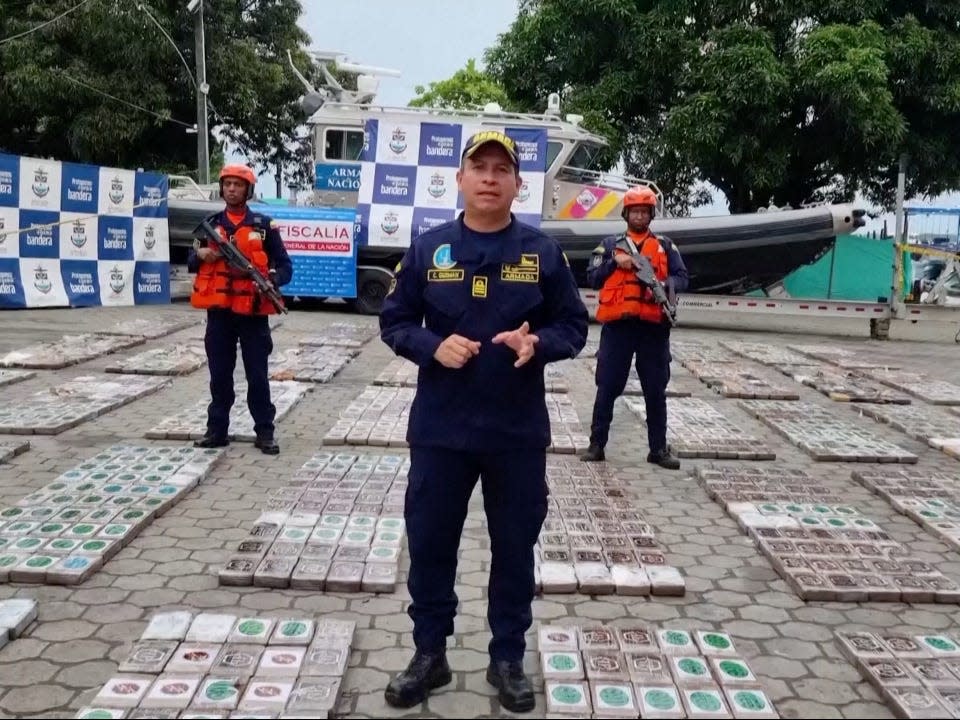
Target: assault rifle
{"x": 648, "y": 279}
{"x": 238, "y": 261}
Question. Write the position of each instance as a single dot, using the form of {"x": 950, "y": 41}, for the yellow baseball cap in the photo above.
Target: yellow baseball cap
{"x": 477, "y": 140}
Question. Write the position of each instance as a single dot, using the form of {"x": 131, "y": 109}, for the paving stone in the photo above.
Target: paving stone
{"x": 86, "y": 674}
{"x": 26, "y": 672}
{"x": 76, "y": 651}
{"x": 829, "y": 692}
{"x": 36, "y": 699}
{"x": 64, "y": 630}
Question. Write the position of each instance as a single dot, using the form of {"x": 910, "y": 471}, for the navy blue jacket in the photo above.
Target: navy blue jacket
{"x": 277, "y": 256}
{"x": 441, "y": 288}
{"x": 602, "y": 263}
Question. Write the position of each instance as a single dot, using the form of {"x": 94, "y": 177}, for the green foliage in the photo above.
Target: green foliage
{"x": 52, "y": 82}
{"x": 467, "y": 89}
{"x": 770, "y": 102}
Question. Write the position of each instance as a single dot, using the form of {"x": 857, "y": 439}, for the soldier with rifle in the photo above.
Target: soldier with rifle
{"x": 240, "y": 261}
{"x": 637, "y": 312}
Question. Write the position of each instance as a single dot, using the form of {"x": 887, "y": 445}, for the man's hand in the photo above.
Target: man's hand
{"x": 521, "y": 341}
{"x": 623, "y": 260}
{"x": 207, "y": 254}
{"x": 455, "y": 351}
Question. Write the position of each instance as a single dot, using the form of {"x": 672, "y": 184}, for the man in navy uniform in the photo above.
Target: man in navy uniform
{"x": 481, "y": 304}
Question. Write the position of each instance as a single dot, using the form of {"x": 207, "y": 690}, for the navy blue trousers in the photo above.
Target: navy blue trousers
{"x": 621, "y": 344}
{"x": 224, "y": 330}
{"x": 515, "y": 501}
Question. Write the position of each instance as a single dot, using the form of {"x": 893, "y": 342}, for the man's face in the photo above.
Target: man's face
{"x": 638, "y": 218}
{"x": 234, "y": 190}
{"x": 489, "y": 181}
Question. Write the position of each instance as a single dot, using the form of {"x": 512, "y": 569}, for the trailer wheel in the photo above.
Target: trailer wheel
{"x": 372, "y": 288}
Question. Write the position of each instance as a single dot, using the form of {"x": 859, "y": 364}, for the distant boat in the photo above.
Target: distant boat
{"x": 729, "y": 254}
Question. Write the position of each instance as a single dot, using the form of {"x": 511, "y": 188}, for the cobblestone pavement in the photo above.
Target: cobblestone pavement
{"x": 84, "y": 631}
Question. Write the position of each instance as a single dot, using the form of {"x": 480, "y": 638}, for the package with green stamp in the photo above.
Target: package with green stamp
{"x": 713, "y": 643}
{"x": 705, "y": 702}
{"x": 252, "y": 631}
{"x": 750, "y": 703}
{"x": 675, "y": 642}
{"x": 659, "y": 701}
{"x": 293, "y": 631}
{"x": 567, "y": 697}
{"x": 613, "y": 698}
{"x": 561, "y": 665}
{"x": 732, "y": 671}
{"x": 689, "y": 670}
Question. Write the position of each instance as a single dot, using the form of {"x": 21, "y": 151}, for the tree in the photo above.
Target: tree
{"x": 103, "y": 84}
{"x": 776, "y": 102}
{"x": 467, "y": 89}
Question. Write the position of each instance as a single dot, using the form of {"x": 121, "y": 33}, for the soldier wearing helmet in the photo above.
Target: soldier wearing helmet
{"x": 634, "y": 330}
{"x": 235, "y": 310}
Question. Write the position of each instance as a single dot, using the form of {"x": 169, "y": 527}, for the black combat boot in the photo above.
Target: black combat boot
{"x": 211, "y": 441}
{"x": 425, "y": 672}
{"x": 664, "y": 458}
{"x": 516, "y": 692}
{"x": 594, "y": 453}
{"x": 267, "y": 445}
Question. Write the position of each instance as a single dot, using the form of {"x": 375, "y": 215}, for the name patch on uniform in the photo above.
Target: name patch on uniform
{"x": 479, "y": 286}
{"x": 444, "y": 275}
{"x": 519, "y": 273}
{"x": 530, "y": 260}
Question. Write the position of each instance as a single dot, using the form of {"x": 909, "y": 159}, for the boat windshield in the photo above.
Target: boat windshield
{"x": 586, "y": 157}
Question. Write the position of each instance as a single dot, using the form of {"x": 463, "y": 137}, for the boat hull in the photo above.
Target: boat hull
{"x": 728, "y": 254}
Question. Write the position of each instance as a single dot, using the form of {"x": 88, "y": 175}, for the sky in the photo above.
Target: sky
{"x": 429, "y": 40}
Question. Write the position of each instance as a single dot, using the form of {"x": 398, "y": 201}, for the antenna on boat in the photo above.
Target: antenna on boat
{"x": 332, "y": 90}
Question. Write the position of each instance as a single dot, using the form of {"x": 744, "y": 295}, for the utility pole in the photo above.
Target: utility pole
{"x": 203, "y": 147}
{"x": 899, "y": 239}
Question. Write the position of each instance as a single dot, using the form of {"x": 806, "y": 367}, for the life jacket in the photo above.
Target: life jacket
{"x": 622, "y": 295}
{"x": 219, "y": 286}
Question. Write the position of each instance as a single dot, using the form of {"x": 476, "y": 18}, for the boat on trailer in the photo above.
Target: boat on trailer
{"x": 582, "y": 202}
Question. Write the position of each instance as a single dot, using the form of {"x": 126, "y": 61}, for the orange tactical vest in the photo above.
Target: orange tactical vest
{"x": 622, "y": 295}
{"x": 220, "y": 286}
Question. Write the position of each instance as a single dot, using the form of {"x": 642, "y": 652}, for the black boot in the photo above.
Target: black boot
{"x": 425, "y": 672}
{"x": 664, "y": 458}
{"x": 594, "y": 453}
{"x": 212, "y": 441}
{"x": 267, "y": 445}
{"x": 516, "y": 692}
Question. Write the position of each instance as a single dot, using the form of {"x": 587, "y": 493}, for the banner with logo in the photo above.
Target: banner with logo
{"x": 80, "y": 235}
{"x": 408, "y": 177}
{"x": 321, "y": 247}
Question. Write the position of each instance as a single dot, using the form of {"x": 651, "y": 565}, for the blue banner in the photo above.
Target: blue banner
{"x": 79, "y": 235}
{"x": 321, "y": 245}
{"x": 337, "y": 176}
{"x": 408, "y": 176}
